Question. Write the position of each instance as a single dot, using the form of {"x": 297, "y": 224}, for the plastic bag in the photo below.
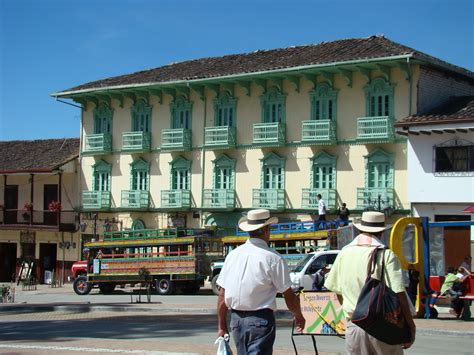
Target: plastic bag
{"x": 223, "y": 347}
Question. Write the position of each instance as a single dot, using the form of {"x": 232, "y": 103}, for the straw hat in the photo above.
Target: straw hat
{"x": 372, "y": 222}
{"x": 256, "y": 219}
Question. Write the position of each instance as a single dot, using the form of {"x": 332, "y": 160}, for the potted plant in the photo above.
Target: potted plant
{"x": 54, "y": 206}
{"x": 28, "y": 207}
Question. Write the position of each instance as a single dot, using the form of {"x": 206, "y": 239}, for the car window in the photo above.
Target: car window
{"x": 317, "y": 264}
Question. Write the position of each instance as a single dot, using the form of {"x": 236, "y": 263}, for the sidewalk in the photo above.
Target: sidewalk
{"x": 446, "y": 324}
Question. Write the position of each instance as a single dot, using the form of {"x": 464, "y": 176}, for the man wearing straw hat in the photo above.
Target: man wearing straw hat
{"x": 251, "y": 277}
{"x": 348, "y": 275}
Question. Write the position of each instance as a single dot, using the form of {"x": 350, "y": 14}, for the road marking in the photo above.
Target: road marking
{"x": 92, "y": 350}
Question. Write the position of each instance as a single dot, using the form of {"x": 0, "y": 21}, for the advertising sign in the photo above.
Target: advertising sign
{"x": 323, "y": 313}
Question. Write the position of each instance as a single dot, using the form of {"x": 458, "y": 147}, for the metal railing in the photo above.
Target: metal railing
{"x": 318, "y": 131}
{"x": 135, "y": 199}
{"x": 179, "y": 138}
{"x": 273, "y": 199}
{"x": 309, "y": 198}
{"x": 136, "y": 141}
{"x": 375, "y": 128}
{"x": 176, "y": 199}
{"x": 220, "y": 136}
{"x": 269, "y": 133}
{"x": 219, "y": 198}
{"x": 377, "y": 199}
{"x": 55, "y": 220}
{"x": 95, "y": 200}
{"x": 98, "y": 143}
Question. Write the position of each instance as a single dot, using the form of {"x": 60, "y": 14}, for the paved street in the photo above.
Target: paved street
{"x": 170, "y": 325}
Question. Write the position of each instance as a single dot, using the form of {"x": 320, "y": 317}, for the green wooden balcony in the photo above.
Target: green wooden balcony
{"x": 220, "y": 137}
{"x": 375, "y": 198}
{"x": 136, "y": 141}
{"x": 375, "y": 129}
{"x": 318, "y": 131}
{"x": 310, "y": 201}
{"x": 135, "y": 199}
{"x": 95, "y": 200}
{"x": 98, "y": 143}
{"x": 272, "y": 199}
{"x": 269, "y": 133}
{"x": 140, "y": 234}
{"x": 176, "y": 139}
{"x": 177, "y": 199}
{"x": 219, "y": 199}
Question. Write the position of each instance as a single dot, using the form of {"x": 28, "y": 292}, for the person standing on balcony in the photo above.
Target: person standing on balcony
{"x": 252, "y": 275}
{"x": 321, "y": 208}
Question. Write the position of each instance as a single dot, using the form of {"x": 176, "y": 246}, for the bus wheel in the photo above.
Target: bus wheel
{"x": 81, "y": 286}
{"x": 106, "y": 287}
{"x": 164, "y": 286}
{"x": 214, "y": 285}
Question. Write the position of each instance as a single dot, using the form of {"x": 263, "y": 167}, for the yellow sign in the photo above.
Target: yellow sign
{"x": 323, "y": 313}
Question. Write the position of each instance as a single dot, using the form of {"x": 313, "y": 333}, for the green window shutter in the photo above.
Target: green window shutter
{"x": 141, "y": 117}
{"x": 181, "y": 113}
{"x": 323, "y": 102}
{"x": 273, "y": 172}
{"x": 101, "y": 176}
{"x": 103, "y": 119}
{"x": 323, "y": 172}
{"x": 379, "y": 96}
{"x": 180, "y": 174}
{"x": 224, "y": 173}
{"x": 273, "y": 104}
{"x": 225, "y": 110}
{"x": 140, "y": 171}
{"x": 379, "y": 169}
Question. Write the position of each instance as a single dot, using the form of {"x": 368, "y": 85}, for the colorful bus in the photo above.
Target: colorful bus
{"x": 169, "y": 259}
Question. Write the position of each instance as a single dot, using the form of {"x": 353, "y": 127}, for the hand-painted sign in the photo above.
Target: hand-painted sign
{"x": 323, "y": 313}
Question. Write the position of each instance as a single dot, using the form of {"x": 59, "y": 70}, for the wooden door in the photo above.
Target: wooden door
{"x": 11, "y": 204}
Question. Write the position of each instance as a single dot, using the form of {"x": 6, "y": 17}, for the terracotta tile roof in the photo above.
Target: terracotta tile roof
{"x": 344, "y": 50}
{"x": 456, "y": 109}
{"x": 38, "y": 155}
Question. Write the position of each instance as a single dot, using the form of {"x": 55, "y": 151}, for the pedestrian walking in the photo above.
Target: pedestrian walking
{"x": 321, "y": 208}
{"x": 251, "y": 276}
{"x": 348, "y": 276}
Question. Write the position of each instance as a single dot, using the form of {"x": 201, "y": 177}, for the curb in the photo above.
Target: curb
{"x": 88, "y": 307}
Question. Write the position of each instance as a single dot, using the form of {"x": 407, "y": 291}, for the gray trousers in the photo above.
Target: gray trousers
{"x": 358, "y": 342}
{"x": 253, "y": 331}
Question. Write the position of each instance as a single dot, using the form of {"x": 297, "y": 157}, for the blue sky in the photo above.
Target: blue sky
{"x": 50, "y": 45}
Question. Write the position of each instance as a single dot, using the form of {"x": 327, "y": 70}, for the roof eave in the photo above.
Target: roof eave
{"x": 233, "y": 76}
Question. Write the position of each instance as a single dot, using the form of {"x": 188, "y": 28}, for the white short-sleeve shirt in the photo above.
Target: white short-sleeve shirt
{"x": 321, "y": 207}
{"x": 252, "y": 275}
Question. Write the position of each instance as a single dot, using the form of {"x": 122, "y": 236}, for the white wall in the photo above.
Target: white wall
{"x": 423, "y": 185}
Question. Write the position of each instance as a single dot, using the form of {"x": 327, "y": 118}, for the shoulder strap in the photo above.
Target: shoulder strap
{"x": 373, "y": 262}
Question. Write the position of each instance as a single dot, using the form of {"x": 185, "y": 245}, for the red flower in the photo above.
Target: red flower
{"x": 54, "y": 206}
{"x": 28, "y": 206}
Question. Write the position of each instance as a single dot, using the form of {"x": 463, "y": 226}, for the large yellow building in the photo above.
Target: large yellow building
{"x": 199, "y": 142}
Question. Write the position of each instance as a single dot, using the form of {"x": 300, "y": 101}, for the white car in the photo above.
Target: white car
{"x": 303, "y": 273}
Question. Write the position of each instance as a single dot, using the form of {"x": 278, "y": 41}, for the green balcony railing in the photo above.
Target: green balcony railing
{"x": 309, "y": 198}
{"x": 319, "y": 131}
{"x": 220, "y": 136}
{"x": 179, "y": 199}
{"x": 269, "y": 133}
{"x": 375, "y": 129}
{"x": 219, "y": 198}
{"x": 273, "y": 199}
{"x": 95, "y": 200}
{"x": 376, "y": 199}
{"x": 98, "y": 143}
{"x": 140, "y": 234}
{"x": 136, "y": 141}
{"x": 135, "y": 199}
{"x": 176, "y": 139}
